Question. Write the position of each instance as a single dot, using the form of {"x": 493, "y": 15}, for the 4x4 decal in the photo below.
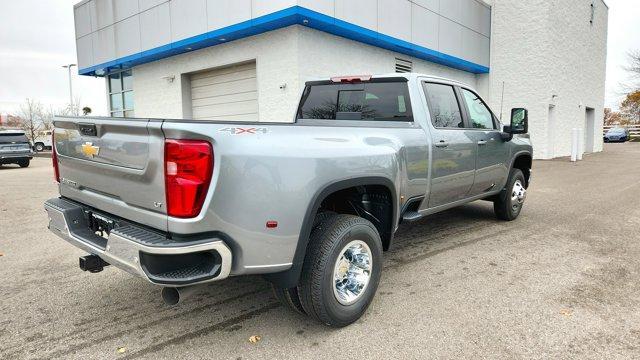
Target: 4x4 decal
{"x": 247, "y": 131}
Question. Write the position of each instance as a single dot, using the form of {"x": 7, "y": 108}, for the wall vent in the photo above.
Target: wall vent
{"x": 403, "y": 66}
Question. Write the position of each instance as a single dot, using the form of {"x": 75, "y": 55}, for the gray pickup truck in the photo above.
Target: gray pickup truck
{"x": 311, "y": 205}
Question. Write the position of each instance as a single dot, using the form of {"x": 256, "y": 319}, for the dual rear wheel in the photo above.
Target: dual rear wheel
{"x": 341, "y": 271}
{"x": 343, "y": 262}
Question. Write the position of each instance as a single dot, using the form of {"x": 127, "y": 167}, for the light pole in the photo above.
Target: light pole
{"x": 68, "y": 67}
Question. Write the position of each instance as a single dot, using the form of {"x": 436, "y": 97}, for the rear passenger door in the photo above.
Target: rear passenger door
{"x": 454, "y": 150}
{"x": 492, "y": 152}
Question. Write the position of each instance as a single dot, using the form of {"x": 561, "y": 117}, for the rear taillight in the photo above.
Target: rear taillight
{"x": 54, "y": 157}
{"x": 188, "y": 165}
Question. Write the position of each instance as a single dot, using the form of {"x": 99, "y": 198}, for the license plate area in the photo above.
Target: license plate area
{"x": 99, "y": 224}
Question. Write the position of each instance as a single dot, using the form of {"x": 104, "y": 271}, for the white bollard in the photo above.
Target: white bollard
{"x": 574, "y": 144}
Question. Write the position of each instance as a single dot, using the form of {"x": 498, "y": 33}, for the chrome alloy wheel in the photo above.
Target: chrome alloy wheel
{"x": 352, "y": 272}
{"x": 518, "y": 195}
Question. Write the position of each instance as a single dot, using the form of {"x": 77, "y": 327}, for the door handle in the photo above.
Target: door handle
{"x": 442, "y": 144}
{"x": 482, "y": 142}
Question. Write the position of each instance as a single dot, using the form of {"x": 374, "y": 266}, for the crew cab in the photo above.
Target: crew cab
{"x": 311, "y": 205}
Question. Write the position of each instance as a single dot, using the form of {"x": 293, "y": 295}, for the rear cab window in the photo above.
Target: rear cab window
{"x": 11, "y": 138}
{"x": 382, "y": 99}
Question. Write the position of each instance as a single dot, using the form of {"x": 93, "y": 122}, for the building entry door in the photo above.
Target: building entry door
{"x": 589, "y": 128}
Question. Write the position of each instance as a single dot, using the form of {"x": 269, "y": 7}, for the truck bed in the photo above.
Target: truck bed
{"x": 262, "y": 172}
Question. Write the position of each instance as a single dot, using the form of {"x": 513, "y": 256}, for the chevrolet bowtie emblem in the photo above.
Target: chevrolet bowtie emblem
{"x": 89, "y": 150}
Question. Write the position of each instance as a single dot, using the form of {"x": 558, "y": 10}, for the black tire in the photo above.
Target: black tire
{"x": 316, "y": 287}
{"x": 39, "y": 147}
{"x": 321, "y": 217}
{"x": 24, "y": 163}
{"x": 504, "y": 206}
{"x": 290, "y": 298}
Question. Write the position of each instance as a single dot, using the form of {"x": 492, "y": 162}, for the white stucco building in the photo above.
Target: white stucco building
{"x": 249, "y": 59}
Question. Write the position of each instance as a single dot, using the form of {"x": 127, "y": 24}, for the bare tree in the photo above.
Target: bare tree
{"x": 634, "y": 63}
{"x": 47, "y": 118}
{"x": 74, "y": 109}
{"x": 634, "y": 71}
{"x": 31, "y": 115}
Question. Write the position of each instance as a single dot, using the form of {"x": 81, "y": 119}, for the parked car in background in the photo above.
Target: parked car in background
{"x": 43, "y": 141}
{"x": 617, "y": 135}
{"x": 15, "y": 148}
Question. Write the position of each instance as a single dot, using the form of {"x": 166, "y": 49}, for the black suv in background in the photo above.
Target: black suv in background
{"x": 15, "y": 148}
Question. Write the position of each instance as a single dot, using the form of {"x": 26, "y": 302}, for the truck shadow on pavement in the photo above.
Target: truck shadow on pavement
{"x": 113, "y": 306}
{"x": 6, "y": 167}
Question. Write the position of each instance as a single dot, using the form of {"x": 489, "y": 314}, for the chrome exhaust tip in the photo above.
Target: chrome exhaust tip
{"x": 175, "y": 295}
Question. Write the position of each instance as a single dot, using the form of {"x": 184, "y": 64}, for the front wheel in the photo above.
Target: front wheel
{"x": 341, "y": 270}
{"x": 39, "y": 147}
{"x": 509, "y": 202}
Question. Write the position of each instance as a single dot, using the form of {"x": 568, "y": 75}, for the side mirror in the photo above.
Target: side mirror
{"x": 519, "y": 122}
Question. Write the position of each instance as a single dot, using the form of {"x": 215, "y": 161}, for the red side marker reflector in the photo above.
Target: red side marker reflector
{"x": 271, "y": 224}
{"x": 54, "y": 158}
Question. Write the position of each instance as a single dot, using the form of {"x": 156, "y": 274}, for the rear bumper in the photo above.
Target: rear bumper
{"x": 10, "y": 157}
{"x": 139, "y": 251}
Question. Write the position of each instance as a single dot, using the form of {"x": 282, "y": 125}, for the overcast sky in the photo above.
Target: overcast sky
{"x": 37, "y": 38}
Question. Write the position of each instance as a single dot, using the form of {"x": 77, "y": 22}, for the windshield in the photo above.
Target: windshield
{"x": 616, "y": 131}
{"x": 9, "y": 138}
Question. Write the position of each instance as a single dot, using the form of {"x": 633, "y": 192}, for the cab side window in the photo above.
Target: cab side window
{"x": 443, "y": 106}
{"x": 479, "y": 115}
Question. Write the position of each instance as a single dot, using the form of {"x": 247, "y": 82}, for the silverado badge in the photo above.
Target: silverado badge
{"x": 89, "y": 150}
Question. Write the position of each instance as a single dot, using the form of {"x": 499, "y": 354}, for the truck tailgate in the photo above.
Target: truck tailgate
{"x": 114, "y": 165}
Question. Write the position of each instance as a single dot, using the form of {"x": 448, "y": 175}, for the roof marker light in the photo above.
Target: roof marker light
{"x": 351, "y": 79}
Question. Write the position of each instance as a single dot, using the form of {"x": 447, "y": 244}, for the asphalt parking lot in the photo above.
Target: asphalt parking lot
{"x": 560, "y": 282}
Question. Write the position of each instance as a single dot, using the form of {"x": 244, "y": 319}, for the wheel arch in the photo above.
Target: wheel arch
{"x": 523, "y": 161}
{"x": 290, "y": 277}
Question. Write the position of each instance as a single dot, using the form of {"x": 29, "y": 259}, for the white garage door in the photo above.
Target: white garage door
{"x": 229, "y": 93}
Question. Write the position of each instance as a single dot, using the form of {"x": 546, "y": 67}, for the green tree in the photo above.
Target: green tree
{"x": 630, "y": 106}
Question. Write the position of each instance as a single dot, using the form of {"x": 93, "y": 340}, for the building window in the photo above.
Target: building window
{"x": 121, "y": 94}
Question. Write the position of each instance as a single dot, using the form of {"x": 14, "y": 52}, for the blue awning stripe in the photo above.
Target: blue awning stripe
{"x": 280, "y": 19}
